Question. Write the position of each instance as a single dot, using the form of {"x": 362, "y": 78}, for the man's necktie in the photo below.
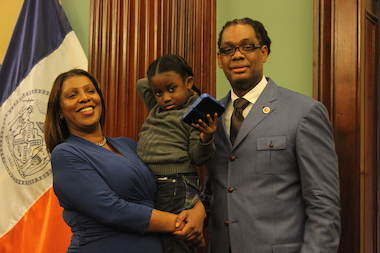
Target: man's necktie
{"x": 237, "y": 117}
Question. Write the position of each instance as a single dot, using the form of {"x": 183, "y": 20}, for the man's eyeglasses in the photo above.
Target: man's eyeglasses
{"x": 244, "y": 49}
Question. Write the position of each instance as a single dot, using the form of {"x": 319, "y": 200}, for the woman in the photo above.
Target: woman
{"x": 106, "y": 191}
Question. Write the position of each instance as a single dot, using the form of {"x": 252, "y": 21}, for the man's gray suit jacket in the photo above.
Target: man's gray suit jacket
{"x": 277, "y": 188}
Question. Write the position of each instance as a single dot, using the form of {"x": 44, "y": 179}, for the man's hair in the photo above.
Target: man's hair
{"x": 261, "y": 33}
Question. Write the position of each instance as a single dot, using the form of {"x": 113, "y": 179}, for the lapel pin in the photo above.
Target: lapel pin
{"x": 266, "y": 109}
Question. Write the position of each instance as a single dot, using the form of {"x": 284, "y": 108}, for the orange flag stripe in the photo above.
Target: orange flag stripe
{"x": 40, "y": 230}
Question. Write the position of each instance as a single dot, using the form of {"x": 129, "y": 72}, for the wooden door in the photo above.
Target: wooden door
{"x": 346, "y": 80}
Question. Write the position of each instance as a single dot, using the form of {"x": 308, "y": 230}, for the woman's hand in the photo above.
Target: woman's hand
{"x": 192, "y": 233}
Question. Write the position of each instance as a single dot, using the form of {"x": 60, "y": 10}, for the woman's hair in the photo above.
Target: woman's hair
{"x": 261, "y": 33}
{"x": 55, "y": 128}
{"x": 171, "y": 62}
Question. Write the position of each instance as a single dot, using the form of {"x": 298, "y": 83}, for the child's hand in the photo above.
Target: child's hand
{"x": 207, "y": 131}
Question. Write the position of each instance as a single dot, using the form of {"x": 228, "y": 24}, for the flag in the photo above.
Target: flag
{"x": 42, "y": 46}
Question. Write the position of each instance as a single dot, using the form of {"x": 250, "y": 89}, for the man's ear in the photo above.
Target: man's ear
{"x": 264, "y": 52}
{"x": 220, "y": 61}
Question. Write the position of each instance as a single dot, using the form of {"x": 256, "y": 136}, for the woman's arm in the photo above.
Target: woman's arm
{"x": 164, "y": 222}
{"x": 81, "y": 188}
{"x": 188, "y": 225}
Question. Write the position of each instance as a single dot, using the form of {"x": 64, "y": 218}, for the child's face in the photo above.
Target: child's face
{"x": 170, "y": 91}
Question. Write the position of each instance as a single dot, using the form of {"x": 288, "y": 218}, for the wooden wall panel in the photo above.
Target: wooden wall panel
{"x": 323, "y": 50}
{"x": 127, "y": 35}
{"x": 346, "y": 71}
{"x": 346, "y": 99}
{"x": 370, "y": 105}
{"x": 336, "y": 85}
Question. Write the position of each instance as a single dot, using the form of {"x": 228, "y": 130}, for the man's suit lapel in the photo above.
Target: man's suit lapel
{"x": 264, "y": 106}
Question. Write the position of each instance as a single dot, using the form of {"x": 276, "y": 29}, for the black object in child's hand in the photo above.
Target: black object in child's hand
{"x": 204, "y": 105}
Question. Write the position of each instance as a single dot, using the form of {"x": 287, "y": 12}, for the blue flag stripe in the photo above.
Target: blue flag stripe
{"x": 32, "y": 40}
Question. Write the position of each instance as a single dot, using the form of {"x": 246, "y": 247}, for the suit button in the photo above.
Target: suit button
{"x": 230, "y": 189}
{"x": 232, "y": 158}
{"x": 226, "y": 223}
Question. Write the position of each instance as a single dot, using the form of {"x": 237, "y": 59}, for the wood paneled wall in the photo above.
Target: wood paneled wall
{"x": 127, "y": 35}
{"x": 346, "y": 80}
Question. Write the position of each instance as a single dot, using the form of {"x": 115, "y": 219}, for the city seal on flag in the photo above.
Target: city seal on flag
{"x": 22, "y": 147}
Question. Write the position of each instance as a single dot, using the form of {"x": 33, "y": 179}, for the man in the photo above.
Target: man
{"x": 275, "y": 186}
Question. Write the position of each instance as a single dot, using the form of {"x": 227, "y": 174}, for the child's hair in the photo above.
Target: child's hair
{"x": 172, "y": 62}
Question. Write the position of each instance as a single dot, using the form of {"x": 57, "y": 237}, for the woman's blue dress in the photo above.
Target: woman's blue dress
{"x": 107, "y": 198}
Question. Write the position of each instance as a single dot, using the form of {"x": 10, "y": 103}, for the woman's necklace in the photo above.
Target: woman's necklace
{"x": 103, "y": 142}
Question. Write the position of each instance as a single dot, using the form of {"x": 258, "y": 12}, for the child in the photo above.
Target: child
{"x": 170, "y": 147}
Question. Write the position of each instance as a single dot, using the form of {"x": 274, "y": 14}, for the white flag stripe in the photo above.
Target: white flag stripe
{"x": 20, "y": 142}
